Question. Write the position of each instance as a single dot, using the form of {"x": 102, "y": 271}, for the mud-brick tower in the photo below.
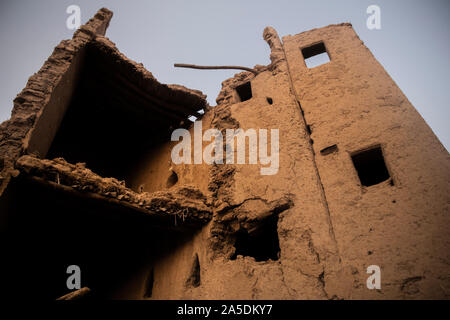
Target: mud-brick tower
{"x": 384, "y": 173}
{"x": 363, "y": 181}
{"x": 88, "y": 179}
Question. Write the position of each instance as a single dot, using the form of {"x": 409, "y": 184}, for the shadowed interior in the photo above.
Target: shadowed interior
{"x": 113, "y": 121}
{"x": 54, "y": 229}
{"x": 261, "y": 243}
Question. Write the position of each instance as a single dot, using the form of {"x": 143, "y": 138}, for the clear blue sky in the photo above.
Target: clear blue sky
{"x": 413, "y": 44}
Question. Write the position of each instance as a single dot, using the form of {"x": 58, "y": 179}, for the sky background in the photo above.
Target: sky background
{"x": 413, "y": 44}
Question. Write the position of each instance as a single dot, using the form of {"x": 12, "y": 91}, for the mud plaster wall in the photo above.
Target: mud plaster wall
{"x": 172, "y": 269}
{"x": 153, "y": 171}
{"x": 333, "y": 227}
{"x": 353, "y": 103}
{"x": 307, "y": 247}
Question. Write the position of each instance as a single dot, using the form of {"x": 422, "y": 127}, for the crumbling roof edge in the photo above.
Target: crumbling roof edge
{"x": 175, "y": 94}
{"x": 30, "y": 103}
{"x": 342, "y": 24}
{"x": 97, "y": 25}
{"x": 183, "y": 206}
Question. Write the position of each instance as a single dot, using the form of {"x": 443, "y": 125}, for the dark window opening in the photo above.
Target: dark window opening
{"x": 269, "y": 100}
{"x": 172, "y": 180}
{"x": 149, "y": 284}
{"x": 244, "y": 91}
{"x": 194, "y": 277}
{"x": 329, "y": 150}
{"x": 315, "y": 55}
{"x": 261, "y": 243}
{"x": 370, "y": 166}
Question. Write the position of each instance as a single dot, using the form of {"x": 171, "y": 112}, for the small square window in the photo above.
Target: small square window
{"x": 244, "y": 91}
{"x": 315, "y": 55}
{"x": 370, "y": 166}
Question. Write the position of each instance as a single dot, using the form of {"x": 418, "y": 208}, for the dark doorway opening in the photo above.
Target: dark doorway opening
{"x": 149, "y": 284}
{"x": 194, "y": 276}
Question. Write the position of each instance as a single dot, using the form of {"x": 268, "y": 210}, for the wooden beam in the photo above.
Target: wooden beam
{"x": 193, "y": 66}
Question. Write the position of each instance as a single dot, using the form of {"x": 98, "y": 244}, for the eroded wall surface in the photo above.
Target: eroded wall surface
{"x": 331, "y": 227}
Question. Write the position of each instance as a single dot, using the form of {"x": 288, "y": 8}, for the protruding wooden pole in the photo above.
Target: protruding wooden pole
{"x": 193, "y": 66}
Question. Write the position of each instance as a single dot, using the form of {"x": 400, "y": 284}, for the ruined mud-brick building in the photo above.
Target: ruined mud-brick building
{"x": 87, "y": 179}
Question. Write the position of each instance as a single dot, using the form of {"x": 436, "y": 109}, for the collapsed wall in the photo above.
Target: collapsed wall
{"x": 362, "y": 180}
{"x": 80, "y": 172}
